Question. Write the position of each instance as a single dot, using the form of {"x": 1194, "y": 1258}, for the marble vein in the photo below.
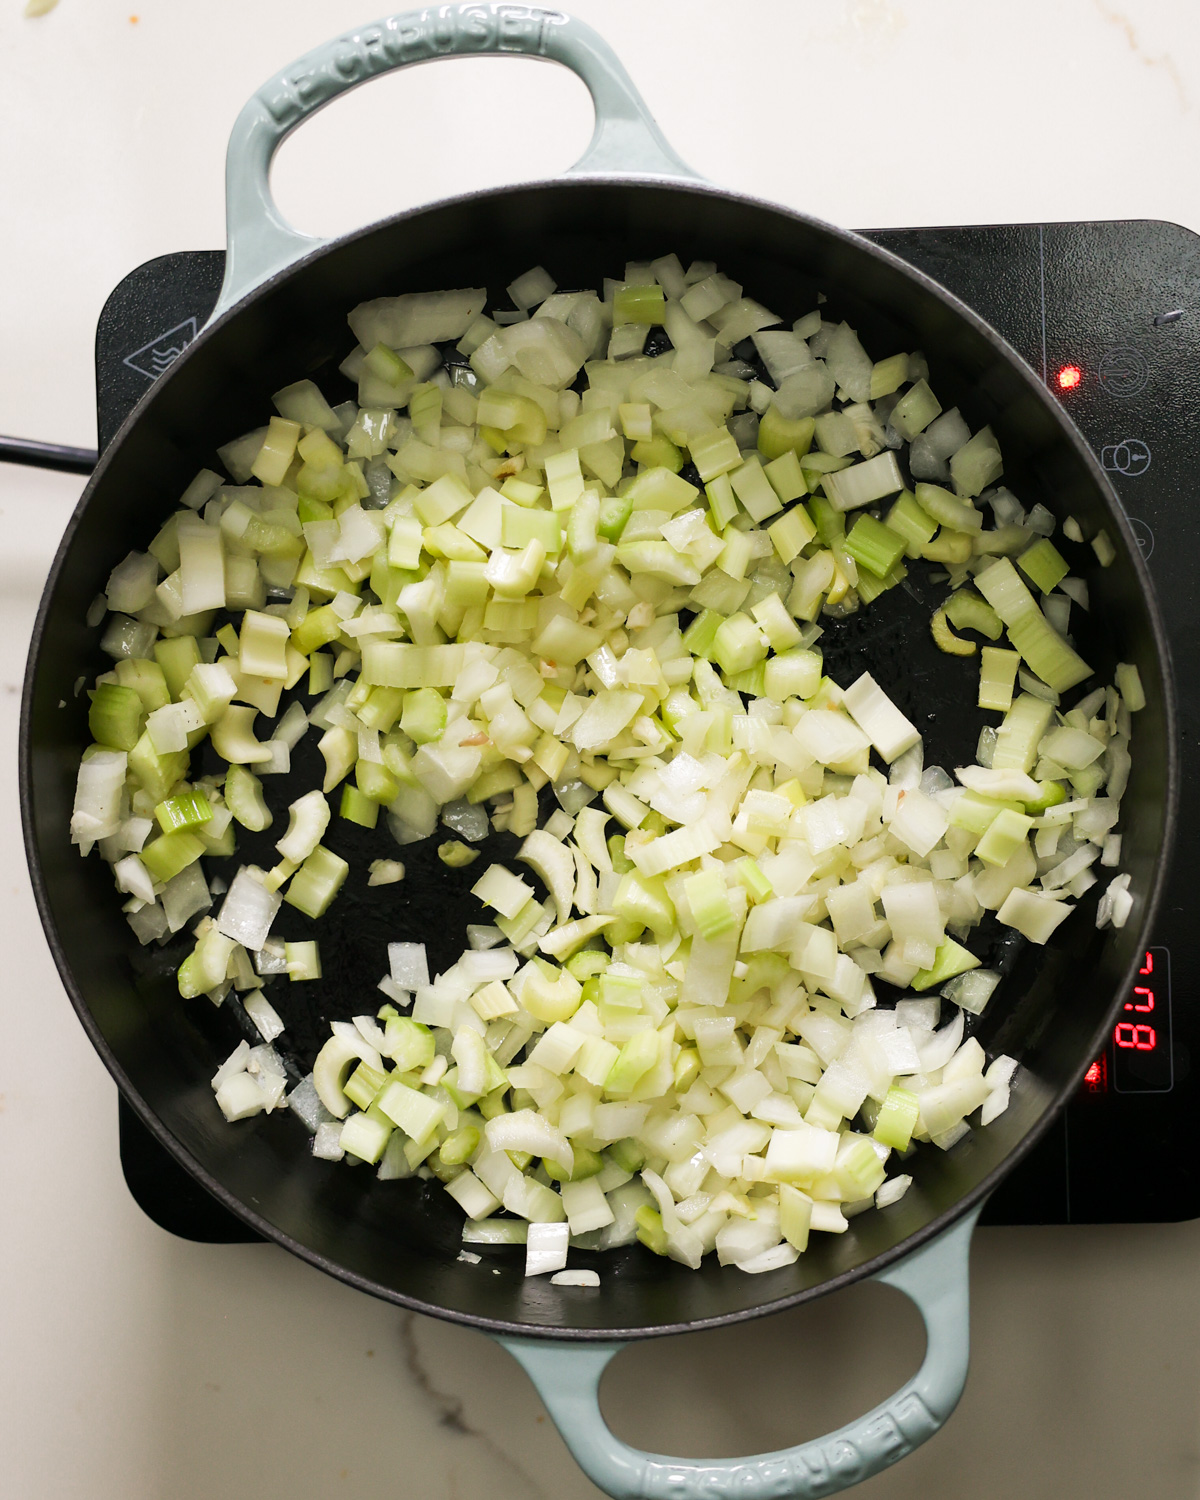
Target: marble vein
{"x": 1161, "y": 60}
{"x": 450, "y": 1410}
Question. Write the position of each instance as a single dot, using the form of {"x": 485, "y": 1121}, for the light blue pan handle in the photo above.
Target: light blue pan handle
{"x": 935, "y": 1277}
{"x": 626, "y": 140}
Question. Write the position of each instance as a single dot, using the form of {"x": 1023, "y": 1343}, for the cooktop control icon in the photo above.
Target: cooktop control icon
{"x": 1130, "y": 456}
{"x": 162, "y": 350}
{"x": 1123, "y": 372}
{"x": 1144, "y": 533}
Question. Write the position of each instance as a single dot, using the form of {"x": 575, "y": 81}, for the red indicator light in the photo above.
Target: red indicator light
{"x": 1095, "y": 1080}
{"x": 1069, "y": 377}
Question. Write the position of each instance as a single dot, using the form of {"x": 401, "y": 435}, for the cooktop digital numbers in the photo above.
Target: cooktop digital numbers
{"x": 1141, "y": 1049}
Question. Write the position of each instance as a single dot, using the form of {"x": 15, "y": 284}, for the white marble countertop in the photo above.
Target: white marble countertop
{"x": 137, "y": 1366}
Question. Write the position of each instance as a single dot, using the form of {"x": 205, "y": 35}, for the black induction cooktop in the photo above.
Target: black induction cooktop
{"x": 1109, "y": 315}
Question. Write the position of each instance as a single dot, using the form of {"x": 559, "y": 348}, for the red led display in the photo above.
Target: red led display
{"x": 1095, "y": 1080}
{"x": 1140, "y": 1038}
{"x": 1141, "y": 1055}
{"x": 1069, "y": 377}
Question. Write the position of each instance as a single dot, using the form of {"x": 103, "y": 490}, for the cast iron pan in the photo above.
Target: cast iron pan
{"x": 282, "y": 316}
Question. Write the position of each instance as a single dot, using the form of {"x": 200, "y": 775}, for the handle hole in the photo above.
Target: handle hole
{"x": 767, "y": 1384}
{"x": 427, "y": 133}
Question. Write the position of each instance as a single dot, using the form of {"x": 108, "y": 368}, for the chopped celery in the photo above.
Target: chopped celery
{"x": 776, "y": 435}
{"x": 387, "y": 365}
{"x": 116, "y": 716}
{"x": 245, "y": 800}
{"x": 1047, "y": 654}
{"x": 458, "y": 1147}
{"x": 220, "y": 845}
{"x": 874, "y": 546}
{"x": 650, "y": 1229}
{"x": 1129, "y": 685}
{"x": 519, "y": 526}
{"x": 643, "y": 899}
{"x": 318, "y": 628}
{"x": 952, "y": 547}
{"x": 1019, "y": 735}
{"x": 637, "y": 1057}
{"x": 212, "y": 687}
{"x": 587, "y": 962}
{"x": 950, "y": 959}
{"x": 754, "y": 490}
{"x": 621, "y": 863}
{"x": 628, "y": 1155}
{"x": 1043, "y": 565}
{"x": 410, "y": 1045}
{"x": 157, "y": 773}
{"x": 752, "y": 877}
{"x": 638, "y": 304}
{"x": 968, "y": 611}
{"x": 357, "y": 807}
{"x": 700, "y": 634}
{"x": 457, "y": 855}
{"x": 614, "y": 513}
{"x": 686, "y": 1070}
{"x": 375, "y": 781}
{"x": 976, "y": 464}
{"x": 203, "y": 971}
{"x": 424, "y": 715}
{"x": 869, "y": 587}
{"x": 944, "y": 637}
{"x": 738, "y": 644}
{"x": 320, "y": 673}
{"x": 830, "y": 523}
{"x": 897, "y": 1118}
{"x": 658, "y": 453}
{"x": 176, "y": 657}
{"x": 912, "y": 522}
{"x": 997, "y": 674}
{"x": 714, "y": 453}
{"x": 587, "y": 1164}
{"x": 363, "y": 1085}
{"x": 382, "y": 708}
{"x": 1006, "y": 833}
{"x": 722, "y": 502}
{"x": 187, "y": 810}
{"x": 864, "y": 483}
{"x": 792, "y": 533}
{"x": 708, "y": 899}
{"x": 1050, "y": 794}
{"x": 976, "y": 813}
{"x": 147, "y": 679}
{"x": 278, "y": 448}
{"x": 170, "y": 853}
{"x": 786, "y": 477}
{"x": 317, "y": 882}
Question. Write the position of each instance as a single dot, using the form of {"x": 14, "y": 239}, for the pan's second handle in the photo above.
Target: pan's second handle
{"x": 260, "y": 241}
{"x": 567, "y": 1377}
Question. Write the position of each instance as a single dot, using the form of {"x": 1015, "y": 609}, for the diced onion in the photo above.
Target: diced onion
{"x": 497, "y": 591}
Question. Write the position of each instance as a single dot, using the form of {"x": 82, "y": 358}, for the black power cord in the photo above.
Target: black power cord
{"x": 15, "y": 450}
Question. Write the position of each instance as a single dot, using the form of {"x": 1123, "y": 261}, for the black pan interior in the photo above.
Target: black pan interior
{"x": 399, "y": 1240}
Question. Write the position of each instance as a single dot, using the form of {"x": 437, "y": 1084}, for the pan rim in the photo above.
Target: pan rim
{"x": 1057, "y": 1101}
